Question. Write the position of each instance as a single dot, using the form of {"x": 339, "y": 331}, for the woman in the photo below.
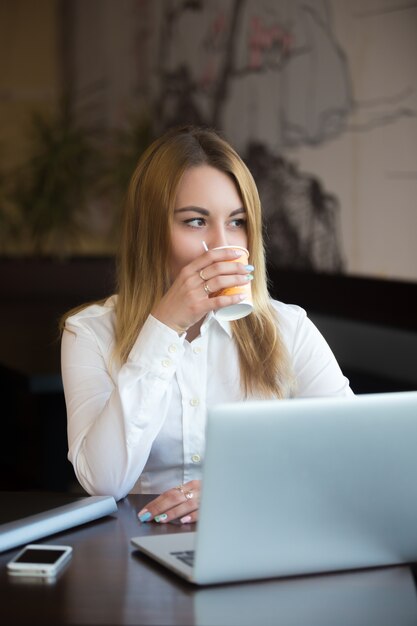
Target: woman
{"x": 140, "y": 369}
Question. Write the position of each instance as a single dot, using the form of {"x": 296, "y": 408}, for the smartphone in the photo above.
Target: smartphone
{"x": 39, "y": 560}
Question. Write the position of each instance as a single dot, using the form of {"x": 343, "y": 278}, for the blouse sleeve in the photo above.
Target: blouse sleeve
{"x": 316, "y": 369}
{"x": 113, "y": 418}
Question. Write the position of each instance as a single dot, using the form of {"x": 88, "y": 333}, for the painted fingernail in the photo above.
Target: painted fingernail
{"x": 186, "y": 519}
{"x": 144, "y": 516}
{"x": 249, "y": 268}
{"x": 161, "y": 518}
{"x": 248, "y": 277}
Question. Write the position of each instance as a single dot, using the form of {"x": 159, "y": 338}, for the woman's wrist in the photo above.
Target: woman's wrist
{"x": 181, "y": 330}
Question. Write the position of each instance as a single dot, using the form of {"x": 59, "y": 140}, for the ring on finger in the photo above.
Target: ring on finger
{"x": 207, "y": 289}
{"x": 188, "y": 494}
{"x": 180, "y": 488}
{"x": 203, "y": 278}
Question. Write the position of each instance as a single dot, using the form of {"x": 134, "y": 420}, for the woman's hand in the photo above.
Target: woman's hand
{"x": 190, "y": 296}
{"x": 180, "y": 502}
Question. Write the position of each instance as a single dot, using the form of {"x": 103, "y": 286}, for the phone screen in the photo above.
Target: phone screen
{"x": 40, "y": 556}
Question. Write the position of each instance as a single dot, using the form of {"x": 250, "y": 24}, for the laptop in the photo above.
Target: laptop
{"x": 301, "y": 486}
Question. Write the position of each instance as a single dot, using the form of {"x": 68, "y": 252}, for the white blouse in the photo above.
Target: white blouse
{"x": 140, "y": 428}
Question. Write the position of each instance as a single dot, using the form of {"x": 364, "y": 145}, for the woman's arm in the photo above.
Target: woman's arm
{"x": 114, "y": 415}
{"x": 316, "y": 368}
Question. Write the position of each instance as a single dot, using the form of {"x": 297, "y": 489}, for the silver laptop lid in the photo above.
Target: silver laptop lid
{"x": 308, "y": 485}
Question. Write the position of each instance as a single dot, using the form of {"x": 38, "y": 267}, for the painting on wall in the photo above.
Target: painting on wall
{"x": 318, "y": 96}
{"x": 320, "y": 99}
{"x": 271, "y": 78}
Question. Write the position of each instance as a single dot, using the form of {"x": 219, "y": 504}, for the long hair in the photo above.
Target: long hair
{"x": 142, "y": 262}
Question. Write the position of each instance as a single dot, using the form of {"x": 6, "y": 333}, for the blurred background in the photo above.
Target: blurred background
{"x": 318, "y": 96}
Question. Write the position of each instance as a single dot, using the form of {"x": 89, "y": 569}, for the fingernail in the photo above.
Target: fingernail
{"x": 248, "y": 277}
{"x": 186, "y": 519}
{"x": 161, "y": 518}
{"x": 144, "y": 516}
{"x": 249, "y": 268}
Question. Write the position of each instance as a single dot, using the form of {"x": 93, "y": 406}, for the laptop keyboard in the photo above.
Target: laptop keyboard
{"x": 186, "y": 556}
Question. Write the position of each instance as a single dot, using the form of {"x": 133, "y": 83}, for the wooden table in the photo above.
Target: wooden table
{"x": 108, "y": 582}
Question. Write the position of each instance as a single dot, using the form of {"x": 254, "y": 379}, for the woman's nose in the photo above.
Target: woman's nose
{"x": 218, "y": 239}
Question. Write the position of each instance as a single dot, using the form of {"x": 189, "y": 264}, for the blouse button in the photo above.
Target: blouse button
{"x": 194, "y": 401}
{"x": 197, "y": 350}
{"x": 166, "y": 363}
{"x": 196, "y": 458}
{"x": 172, "y": 348}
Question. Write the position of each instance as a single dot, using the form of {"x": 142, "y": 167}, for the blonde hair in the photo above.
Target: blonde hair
{"x": 142, "y": 265}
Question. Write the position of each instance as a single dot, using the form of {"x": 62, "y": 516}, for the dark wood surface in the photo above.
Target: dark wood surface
{"x": 108, "y": 582}
{"x": 36, "y": 292}
{"x": 387, "y": 303}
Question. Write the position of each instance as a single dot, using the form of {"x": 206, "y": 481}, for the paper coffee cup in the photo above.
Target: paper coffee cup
{"x": 243, "y": 308}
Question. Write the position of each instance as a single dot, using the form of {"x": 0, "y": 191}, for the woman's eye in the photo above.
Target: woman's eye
{"x": 238, "y": 223}
{"x": 195, "y": 222}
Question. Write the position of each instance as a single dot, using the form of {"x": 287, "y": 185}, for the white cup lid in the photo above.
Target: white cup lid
{"x": 234, "y": 311}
